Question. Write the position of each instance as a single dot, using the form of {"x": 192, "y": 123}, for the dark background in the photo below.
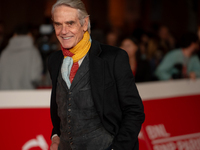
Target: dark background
{"x": 179, "y": 15}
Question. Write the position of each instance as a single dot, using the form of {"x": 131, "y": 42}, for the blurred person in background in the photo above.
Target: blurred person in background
{"x": 154, "y": 56}
{"x": 166, "y": 40}
{"x": 47, "y": 43}
{"x": 97, "y": 33}
{"x": 20, "y": 62}
{"x": 112, "y": 38}
{"x": 139, "y": 64}
{"x": 182, "y": 62}
{"x": 95, "y": 104}
{"x": 144, "y": 39}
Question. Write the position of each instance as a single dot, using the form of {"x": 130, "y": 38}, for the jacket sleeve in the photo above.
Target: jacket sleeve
{"x": 53, "y": 106}
{"x": 131, "y": 105}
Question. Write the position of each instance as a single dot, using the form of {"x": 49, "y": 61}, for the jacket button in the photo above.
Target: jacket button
{"x": 71, "y": 143}
{"x": 69, "y": 104}
{"x": 69, "y": 110}
{"x": 69, "y": 121}
{"x": 69, "y": 132}
{"x": 70, "y": 99}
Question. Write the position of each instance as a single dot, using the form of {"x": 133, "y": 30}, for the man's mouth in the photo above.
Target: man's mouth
{"x": 67, "y": 38}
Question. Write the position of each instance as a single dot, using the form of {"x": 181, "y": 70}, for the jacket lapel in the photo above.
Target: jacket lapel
{"x": 97, "y": 75}
{"x": 82, "y": 71}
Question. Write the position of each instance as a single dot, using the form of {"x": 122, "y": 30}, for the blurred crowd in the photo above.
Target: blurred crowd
{"x": 153, "y": 56}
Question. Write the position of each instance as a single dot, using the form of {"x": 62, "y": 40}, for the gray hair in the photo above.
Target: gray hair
{"x": 77, "y": 4}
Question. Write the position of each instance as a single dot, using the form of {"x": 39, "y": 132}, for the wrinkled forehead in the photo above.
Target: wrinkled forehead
{"x": 65, "y": 13}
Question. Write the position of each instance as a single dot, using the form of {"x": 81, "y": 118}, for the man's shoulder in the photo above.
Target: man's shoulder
{"x": 111, "y": 51}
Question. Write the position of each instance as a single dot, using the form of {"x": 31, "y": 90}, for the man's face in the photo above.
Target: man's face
{"x": 67, "y": 26}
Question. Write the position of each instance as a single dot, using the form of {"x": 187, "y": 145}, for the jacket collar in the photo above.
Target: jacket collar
{"x": 95, "y": 48}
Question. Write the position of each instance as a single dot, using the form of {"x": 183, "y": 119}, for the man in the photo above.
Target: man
{"x": 20, "y": 62}
{"x": 182, "y": 62}
{"x": 95, "y": 104}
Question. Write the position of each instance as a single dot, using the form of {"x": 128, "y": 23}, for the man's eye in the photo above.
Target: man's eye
{"x": 71, "y": 23}
{"x": 57, "y": 24}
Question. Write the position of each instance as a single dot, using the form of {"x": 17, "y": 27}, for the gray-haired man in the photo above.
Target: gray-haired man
{"x": 95, "y": 104}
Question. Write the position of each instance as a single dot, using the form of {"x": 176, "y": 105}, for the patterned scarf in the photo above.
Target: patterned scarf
{"x": 70, "y": 63}
{"x": 80, "y": 50}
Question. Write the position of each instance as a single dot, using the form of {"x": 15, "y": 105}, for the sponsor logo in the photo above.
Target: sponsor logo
{"x": 38, "y": 142}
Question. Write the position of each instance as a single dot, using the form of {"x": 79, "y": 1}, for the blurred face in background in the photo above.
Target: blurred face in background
{"x": 144, "y": 38}
{"x": 129, "y": 46}
{"x": 111, "y": 39}
{"x": 67, "y": 26}
{"x": 164, "y": 33}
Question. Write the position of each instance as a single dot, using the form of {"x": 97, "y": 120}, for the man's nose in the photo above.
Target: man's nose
{"x": 65, "y": 29}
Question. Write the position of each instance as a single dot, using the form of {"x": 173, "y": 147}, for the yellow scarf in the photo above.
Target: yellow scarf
{"x": 81, "y": 49}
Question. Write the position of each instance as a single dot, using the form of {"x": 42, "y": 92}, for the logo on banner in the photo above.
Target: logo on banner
{"x": 162, "y": 140}
{"x": 38, "y": 142}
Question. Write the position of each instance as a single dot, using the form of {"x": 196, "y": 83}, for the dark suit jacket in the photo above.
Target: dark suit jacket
{"x": 114, "y": 92}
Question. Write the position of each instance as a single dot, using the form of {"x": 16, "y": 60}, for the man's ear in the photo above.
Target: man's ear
{"x": 85, "y": 26}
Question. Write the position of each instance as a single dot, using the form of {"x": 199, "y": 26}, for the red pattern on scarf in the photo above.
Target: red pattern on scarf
{"x": 75, "y": 65}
